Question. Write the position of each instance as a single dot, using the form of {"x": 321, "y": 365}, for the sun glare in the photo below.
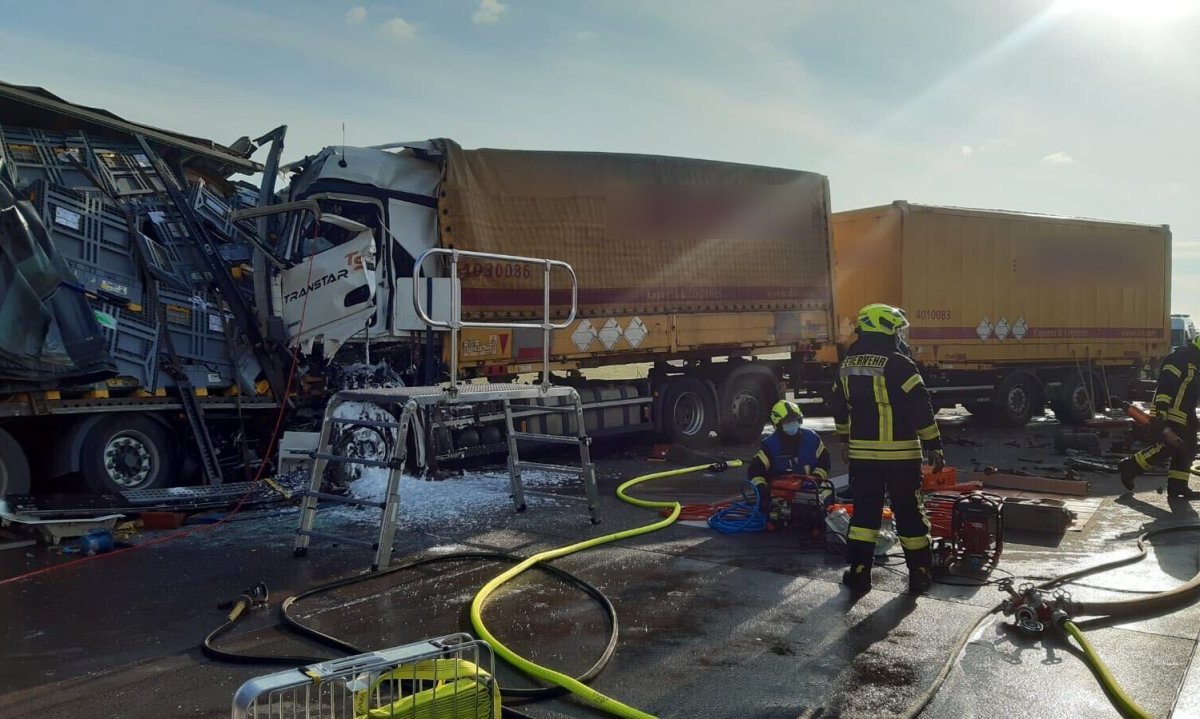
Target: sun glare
{"x": 1136, "y": 12}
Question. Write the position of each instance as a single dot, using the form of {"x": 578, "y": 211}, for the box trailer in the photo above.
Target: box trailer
{"x": 1010, "y": 311}
{"x": 694, "y": 268}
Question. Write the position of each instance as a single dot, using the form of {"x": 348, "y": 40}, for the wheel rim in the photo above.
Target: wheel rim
{"x": 373, "y": 443}
{"x": 746, "y": 409}
{"x": 1079, "y": 400}
{"x": 1018, "y": 401}
{"x": 688, "y": 413}
{"x": 131, "y": 459}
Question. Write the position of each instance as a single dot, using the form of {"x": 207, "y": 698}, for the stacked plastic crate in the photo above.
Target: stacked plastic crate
{"x": 82, "y": 187}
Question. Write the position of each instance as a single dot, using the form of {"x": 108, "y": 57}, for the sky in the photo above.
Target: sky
{"x": 1068, "y": 107}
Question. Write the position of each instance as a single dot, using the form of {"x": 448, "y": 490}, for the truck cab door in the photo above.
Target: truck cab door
{"x": 328, "y": 295}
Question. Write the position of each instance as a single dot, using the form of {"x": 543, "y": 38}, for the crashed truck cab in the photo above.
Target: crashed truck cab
{"x": 345, "y": 258}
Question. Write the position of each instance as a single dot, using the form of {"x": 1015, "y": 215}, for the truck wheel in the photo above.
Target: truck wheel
{"x": 14, "y": 467}
{"x": 689, "y": 413}
{"x": 126, "y": 452}
{"x": 1072, "y": 406}
{"x": 745, "y": 400}
{"x": 1017, "y": 399}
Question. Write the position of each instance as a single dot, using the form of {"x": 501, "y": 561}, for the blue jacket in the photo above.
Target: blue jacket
{"x": 780, "y": 454}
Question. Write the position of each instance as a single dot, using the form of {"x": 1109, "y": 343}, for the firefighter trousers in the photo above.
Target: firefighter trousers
{"x": 1181, "y": 458}
{"x": 900, "y": 481}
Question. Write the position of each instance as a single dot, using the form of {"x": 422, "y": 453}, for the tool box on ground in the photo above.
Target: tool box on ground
{"x": 1042, "y": 514}
{"x": 931, "y": 481}
{"x": 967, "y": 530}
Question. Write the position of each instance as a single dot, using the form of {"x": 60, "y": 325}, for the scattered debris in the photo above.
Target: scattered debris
{"x": 1024, "y": 481}
{"x": 1086, "y": 442}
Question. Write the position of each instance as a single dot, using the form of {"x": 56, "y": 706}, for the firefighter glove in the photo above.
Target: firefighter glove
{"x": 937, "y": 459}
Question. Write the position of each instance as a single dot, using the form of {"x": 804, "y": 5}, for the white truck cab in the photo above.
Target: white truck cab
{"x": 1183, "y": 330}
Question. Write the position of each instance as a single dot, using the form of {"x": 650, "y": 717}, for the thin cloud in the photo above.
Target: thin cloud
{"x": 400, "y": 28}
{"x": 967, "y": 150}
{"x": 489, "y": 12}
{"x": 1186, "y": 249}
{"x": 579, "y": 35}
{"x": 1058, "y": 158}
{"x": 355, "y": 15}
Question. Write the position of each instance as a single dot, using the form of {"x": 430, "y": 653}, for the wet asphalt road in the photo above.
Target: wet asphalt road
{"x": 710, "y": 625}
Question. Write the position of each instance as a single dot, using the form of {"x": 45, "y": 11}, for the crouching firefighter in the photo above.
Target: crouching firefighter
{"x": 881, "y": 408}
{"x": 1174, "y": 422}
{"x": 791, "y": 449}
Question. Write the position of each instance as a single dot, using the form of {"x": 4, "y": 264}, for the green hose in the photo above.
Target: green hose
{"x": 591, "y": 696}
{"x": 1124, "y": 704}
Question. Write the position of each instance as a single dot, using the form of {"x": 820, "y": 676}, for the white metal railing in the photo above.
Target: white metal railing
{"x": 456, "y": 323}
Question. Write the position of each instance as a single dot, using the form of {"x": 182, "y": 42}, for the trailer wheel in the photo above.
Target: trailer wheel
{"x": 745, "y": 400}
{"x": 1017, "y": 399}
{"x": 689, "y": 413}
{"x": 14, "y": 467}
{"x": 1074, "y": 405}
{"x": 128, "y": 452}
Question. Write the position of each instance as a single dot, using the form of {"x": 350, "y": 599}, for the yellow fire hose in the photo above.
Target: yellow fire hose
{"x": 1122, "y": 701}
{"x": 579, "y": 689}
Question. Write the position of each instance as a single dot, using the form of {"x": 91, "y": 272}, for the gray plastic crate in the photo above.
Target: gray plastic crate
{"x": 132, "y": 342}
{"x": 196, "y": 325}
{"x": 56, "y": 157}
{"x": 125, "y": 168}
{"x": 93, "y": 237}
{"x": 185, "y": 256}
{"x": 211, "y": 207}
{"x": 113, "y": 286}
{"x": 213, "y": 376}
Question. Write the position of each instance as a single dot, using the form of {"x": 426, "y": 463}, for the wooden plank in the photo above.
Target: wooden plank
{"x": 1076, "y": 487}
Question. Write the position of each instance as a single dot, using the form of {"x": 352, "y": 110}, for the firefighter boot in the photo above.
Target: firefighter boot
{"x": 1129, "y": 470}
{"x": 858, "y": 578}
{"x": 920, "y": 562}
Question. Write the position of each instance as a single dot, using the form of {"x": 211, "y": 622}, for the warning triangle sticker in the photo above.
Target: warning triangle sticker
{"x": 504, "y": 343}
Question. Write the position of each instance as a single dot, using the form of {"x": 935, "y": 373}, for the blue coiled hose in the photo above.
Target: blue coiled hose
{"x": 744, "y": 516}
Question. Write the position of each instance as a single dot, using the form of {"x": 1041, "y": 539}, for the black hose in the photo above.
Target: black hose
{"x": 329, "y": 640}
{"x": 242, "y": 605}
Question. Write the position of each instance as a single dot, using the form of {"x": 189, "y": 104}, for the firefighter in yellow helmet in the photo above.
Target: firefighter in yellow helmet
{"x": 1174, "y": 422}
{"x": 882, "y": 411}
{"x": 791, "y": 449}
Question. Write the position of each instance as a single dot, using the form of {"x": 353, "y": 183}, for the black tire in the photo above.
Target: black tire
{"x": 14, "y": 467}
{"x": 744, "y": 402}
{"x": 689, "y": 412}
{"x": 129, "y": 452}
{"x": 1072, "y": 405}
{"x": 1017, "y": 399}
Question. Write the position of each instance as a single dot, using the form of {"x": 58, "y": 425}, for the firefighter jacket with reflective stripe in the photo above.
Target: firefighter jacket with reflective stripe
{"x": 1177, "y": 392}
{"x": 879, "y": 402}
{"x": 780, "y": 454}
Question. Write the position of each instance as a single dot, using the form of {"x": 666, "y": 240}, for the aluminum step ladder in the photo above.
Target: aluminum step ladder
{"x": 389, "y": 506}
{"x": 586, "y": 471}
{"x": 406, "y": 402}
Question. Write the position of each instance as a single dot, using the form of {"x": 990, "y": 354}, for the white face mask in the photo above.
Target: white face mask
{"x": 791, "y": 429}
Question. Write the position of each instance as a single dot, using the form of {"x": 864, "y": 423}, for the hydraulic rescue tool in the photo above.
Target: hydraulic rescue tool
{"x": 800, "y": 503}
{"x": 968, "y": 530}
